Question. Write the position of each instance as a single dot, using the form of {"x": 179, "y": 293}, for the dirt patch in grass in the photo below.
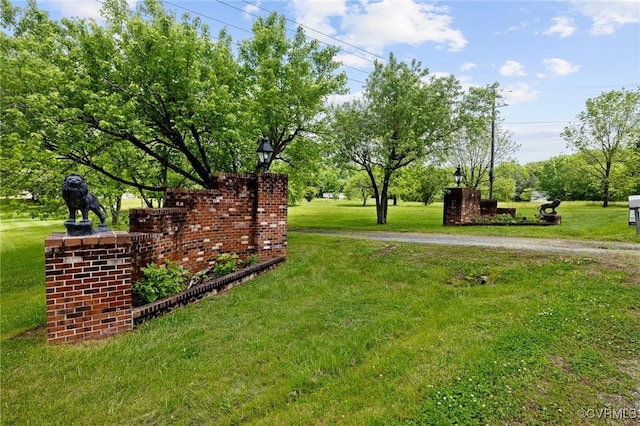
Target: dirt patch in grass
{"x": 626, "y": 262}
{"x": 387, "y": 249}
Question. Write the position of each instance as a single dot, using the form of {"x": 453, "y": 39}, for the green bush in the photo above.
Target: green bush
{"x": 226, "y": 263}
{"x": 160, "y": 282}
{"x": 254, "y": 259}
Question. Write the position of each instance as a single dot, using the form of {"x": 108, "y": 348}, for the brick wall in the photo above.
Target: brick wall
{"x": 461, "y": 205}
{"x": 242, "y": 214}
{"x": 88, "y": 285}
{"x": 89, "y": 279}
{"x": 488, "y": 208}
{"x": 271, "y": 217}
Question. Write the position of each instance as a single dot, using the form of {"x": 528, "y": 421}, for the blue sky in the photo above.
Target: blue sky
{"x": 548, "y": 56}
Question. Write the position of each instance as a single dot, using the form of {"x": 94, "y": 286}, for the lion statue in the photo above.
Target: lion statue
{"x": 75, "y": 193}
{"x": 543, "y": 208}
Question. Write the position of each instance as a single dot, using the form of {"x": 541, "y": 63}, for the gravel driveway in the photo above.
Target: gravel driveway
{"x": 573, "y": 247}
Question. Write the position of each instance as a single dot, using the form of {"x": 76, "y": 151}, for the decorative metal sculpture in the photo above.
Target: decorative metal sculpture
{"x": 76, "y": 195}
{"x": 553, "y": 205}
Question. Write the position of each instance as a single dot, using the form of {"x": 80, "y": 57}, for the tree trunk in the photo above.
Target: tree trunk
{"x": 115, "y": 211}
{"x": 381, "y": 212}
{"x": 605, "y": 200}
{"x": 607, "y": 172}
{"x": 382, "y": 202}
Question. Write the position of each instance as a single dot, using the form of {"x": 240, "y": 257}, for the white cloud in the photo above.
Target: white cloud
{"x": 250, "y": 10}
{"x": 520, "y": 26}
{"x": 512, "y": 68}
{"x": 318, "y": 14}
{"x": 76, "y": 8}
{"x": 80, "y": 8}
{"x": 468, "y": 66}
{"x": 608, "y": 17}
{"x": 559, "y": 66}
{"x": 342, "y": 99}
{"x": 376, "y": 25}
{"x": 518, "y": 93}
{"x": 562, "y": 26}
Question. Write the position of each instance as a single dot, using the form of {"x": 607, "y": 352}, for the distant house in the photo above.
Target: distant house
{"x": 538, "y": 196}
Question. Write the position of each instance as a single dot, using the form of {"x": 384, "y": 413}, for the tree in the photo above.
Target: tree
{"x": 25, "y": 76}
{"x": 472, "y": 152}
{"x": 152, "y": 102}
{"x": 504, "y": 189}
{"x": 523, "y": 177}
{"x": 419, "y": 182}
{"x": 610, "y": 123}
{"x": 565, "y": 178}
{"x": 288, "y": 82}
{"x": 359, "y": 186}
{"x": 404, "y": 116}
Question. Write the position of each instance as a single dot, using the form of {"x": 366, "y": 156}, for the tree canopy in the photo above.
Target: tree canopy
{"x": 404, "y": 116}
{"x": 480, "y": 127}
{"x": 610, "y": 123}
{"x": 152, "y": 101}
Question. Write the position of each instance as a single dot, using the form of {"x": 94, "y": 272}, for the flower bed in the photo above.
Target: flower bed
{"x": 201, "y": 290}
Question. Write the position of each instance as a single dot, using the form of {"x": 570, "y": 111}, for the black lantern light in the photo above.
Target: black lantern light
{"x": 458, "y": 176}
{"x": 265, "y": 152}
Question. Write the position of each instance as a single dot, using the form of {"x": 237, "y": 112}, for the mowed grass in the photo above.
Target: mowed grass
{"x": 580, "y": 220}
{"x": 345, "y": 332}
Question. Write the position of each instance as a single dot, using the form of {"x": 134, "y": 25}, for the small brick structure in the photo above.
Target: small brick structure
{"x": 461, "y": 205}
{"x": 88, "y": 285}
{"x": 242, "y": 214}
{"x": 89, "y": 279}
{"x": 488, "y": 208}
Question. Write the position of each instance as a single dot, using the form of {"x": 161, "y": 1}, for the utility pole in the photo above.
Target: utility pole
{"x": 492, "y": 176}
{"x": 493, "y": 141}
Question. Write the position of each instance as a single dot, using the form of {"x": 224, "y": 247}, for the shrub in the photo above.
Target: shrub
{"x": 254, "y": 259}
{"x": 160, "y": 282}
{"x": 226, "y": 263}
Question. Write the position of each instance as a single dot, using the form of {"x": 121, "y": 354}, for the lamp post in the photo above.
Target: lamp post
{"x": 265, "y": 152}
{"x": 458, "y": 176}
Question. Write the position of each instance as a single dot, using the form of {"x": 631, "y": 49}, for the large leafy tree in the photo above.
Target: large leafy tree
{"x": 564, "y": 177}
{"x": 610, "y": 123}
{"x": 288, "y": 81}
{"x": 26, "y": 77}
{"x": 472, "y": 150}
{"x": 404, "y": 115}
{"x": 423, "y": 183}
{"x": 150, "y": 100}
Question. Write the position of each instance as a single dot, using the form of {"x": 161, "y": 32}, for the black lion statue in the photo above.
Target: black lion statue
{"x": 543, "y": 208}
{"x": 75, "y": 193}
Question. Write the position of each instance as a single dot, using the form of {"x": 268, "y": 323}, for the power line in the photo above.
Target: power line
{"x": 307, "y": 36}
{"x": 250, "y": 32}
{"x": 208, "y": 17}
{"x": 319, "y": 32}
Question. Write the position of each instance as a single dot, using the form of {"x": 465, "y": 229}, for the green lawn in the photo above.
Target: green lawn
{"x": 345, "y": 332}
{"x": 582, "y": 220}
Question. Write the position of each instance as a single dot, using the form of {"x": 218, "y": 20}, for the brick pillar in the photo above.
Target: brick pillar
{"x": 271, "y": 216}
{"x": 461, "y": 205}
{"x": 88, "y": 284}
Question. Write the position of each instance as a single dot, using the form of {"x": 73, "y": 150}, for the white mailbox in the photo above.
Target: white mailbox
{"x": 634, "y": 203}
